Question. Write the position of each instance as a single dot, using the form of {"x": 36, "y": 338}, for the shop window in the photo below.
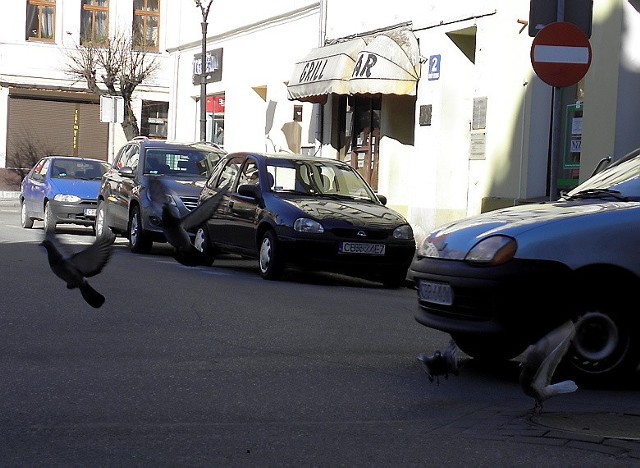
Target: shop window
{"x": 41, "y": 20}
{"x": 154, "y": 119}
{"x": 146, "y": 24}
{"x": 94, "y": 21}
{"x": 215, "y": 119}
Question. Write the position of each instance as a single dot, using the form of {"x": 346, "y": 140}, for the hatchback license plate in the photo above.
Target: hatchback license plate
{"x": 438, "y": 293}
{"x": 362, "y": 248}
{"x": 89, "y": 211}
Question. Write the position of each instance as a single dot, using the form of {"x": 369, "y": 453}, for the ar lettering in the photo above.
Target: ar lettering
{"x": 364, "y": 69}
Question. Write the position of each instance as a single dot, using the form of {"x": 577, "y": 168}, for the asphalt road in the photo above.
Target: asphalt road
{"x": 217, "y": 367}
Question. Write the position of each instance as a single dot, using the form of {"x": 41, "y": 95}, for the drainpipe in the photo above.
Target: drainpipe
{"x": 322, "y": 34}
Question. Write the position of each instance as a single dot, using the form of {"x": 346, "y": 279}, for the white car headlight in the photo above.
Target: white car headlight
{"x": 428, "y": 249}
{"x": 493, "y": 250}
{"x": 403, "y": 232}
{"x": 307, "y": 225}
{"x": 61, "y": 197}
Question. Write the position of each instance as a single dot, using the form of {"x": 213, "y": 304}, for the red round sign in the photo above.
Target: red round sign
{"x": 561, "y": 54}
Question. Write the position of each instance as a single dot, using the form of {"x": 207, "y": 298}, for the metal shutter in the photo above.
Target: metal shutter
{"x": 47, "y": 126}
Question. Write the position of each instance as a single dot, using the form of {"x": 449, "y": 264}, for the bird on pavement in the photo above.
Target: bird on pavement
{"x": 440, "y": 363}
{"x": 75, "y": 268}
{"x": 540, "y": 363}
{"x": 176, "y": 228}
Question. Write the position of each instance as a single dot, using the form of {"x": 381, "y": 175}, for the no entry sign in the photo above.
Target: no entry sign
{"x": 561, "y": 54}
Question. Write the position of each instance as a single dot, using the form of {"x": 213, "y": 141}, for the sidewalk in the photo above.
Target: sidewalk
{"x": 9, "y": 197}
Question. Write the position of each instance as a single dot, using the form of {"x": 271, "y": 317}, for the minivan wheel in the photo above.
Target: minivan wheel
{"x": 271, "y": 265}
{"x": 202, "y": 243}
{"x": 100, "y": 222}
{"x": 25, "y": 220}
{"x": 139, "y": 241}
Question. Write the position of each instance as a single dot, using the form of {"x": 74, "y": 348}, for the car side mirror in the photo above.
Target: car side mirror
{"x": 126, "y": 171}
{"x": 382, "y": 198}
{"x": 250, "y": 190}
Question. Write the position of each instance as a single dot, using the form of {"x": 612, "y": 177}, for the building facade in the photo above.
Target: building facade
{"x": 435, "y": 103}
{"x": 45, "y": 110}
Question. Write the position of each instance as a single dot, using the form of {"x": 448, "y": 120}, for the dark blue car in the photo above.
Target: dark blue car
{"x": 304, "y": 211}
{"x": 61, "y": 190}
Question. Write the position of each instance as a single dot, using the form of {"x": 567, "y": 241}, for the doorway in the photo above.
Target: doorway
{"x": 363, "y": 134}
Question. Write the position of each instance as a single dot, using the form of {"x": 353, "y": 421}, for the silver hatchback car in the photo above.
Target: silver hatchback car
{"x": 499, "y": 281}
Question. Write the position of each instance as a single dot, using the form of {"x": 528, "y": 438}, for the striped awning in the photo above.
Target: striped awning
{"x": 385, "y": 63}
{"x": 324, "y": 70}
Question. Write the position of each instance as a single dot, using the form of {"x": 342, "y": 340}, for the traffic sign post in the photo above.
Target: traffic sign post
{"x": 561, "y": 54}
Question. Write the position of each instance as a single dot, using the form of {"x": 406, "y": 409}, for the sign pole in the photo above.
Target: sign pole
{"x": 555, "y": 126}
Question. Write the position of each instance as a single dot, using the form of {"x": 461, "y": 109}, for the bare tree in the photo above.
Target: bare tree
{"x": 27, "y": 149}
{"x": 115, "y": 67}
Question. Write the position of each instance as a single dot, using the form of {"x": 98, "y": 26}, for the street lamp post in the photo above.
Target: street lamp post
{"x": 203, "y": 70}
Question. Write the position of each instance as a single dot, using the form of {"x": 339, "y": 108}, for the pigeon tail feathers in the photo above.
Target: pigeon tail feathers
{"x": 566, "y": 386}
{"x": 93, "y": 297}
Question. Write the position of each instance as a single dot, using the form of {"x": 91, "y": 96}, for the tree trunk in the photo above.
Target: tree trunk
{"x": 130, "y": 123}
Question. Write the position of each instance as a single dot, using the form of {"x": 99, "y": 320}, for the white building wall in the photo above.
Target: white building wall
{"x": 434, "y": 180}
{"x": 34, "y": 64}
{"x": 258, "y": 58}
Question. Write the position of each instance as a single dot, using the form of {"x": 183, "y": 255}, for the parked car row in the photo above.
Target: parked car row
{"x": 283, "y": 210}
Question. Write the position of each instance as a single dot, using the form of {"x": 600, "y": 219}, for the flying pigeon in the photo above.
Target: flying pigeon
{"x": 176, "y": 228}
{"x": 540, "y": 362}
{"x": 440, "y": 363}
{"x": 74, "y": 269}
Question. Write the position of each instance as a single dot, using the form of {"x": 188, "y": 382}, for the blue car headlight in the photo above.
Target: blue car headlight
{"x": 494, "y": 250}
{"x": 65, "y": 198}
{"x": 307, "y": 225}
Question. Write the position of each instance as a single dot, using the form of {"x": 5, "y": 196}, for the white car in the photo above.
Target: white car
{"x": 499, "y": 281}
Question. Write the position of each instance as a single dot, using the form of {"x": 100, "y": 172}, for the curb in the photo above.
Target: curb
{"x": 9, "y": 198}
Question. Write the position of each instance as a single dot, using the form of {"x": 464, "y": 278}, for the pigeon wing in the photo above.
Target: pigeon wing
{"x": 172, "y": 228}
{"x": 451, "y": 356}
{"x": 550, "y": 350}
{"x": 92, "y": 259}
{"x": 201, "y": 213}
{"x": 157, "y": 191}
{"x": 425, "y": 363}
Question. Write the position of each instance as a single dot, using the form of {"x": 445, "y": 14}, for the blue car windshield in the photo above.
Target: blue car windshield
{"x": 319, "y": 178}
{"x": 622, "y": 179}
{"x": 78, "y": 169}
